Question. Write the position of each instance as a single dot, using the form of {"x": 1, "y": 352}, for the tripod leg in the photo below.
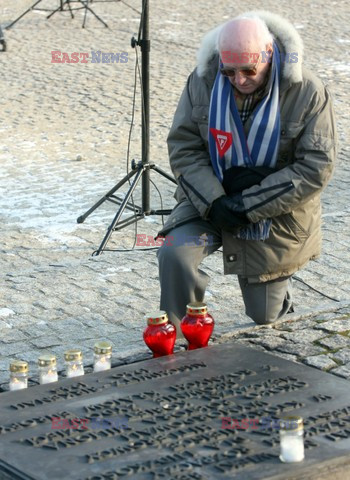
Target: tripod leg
{"x": 164, "y": 174}
{"x": 70, "y": 8}
{"x": 24, "y": 13}
{"x": 120, "y": 211}
{"x": 59, "y": 9}
{"x": 82, "y": 218}
{"x": 85, "y": 3}
{"x": 85, "y": 14}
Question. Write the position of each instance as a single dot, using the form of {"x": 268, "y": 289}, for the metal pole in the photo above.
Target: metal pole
{"x": 145, "y": 49}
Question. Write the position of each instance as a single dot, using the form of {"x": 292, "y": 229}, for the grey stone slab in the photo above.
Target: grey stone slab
{"x": 342, "y": 355}
{"x": 67, "y": 325}
{"x": 342, "y": 371}
{"x": 12, "y": 348}
{"x": 297, "y": 324}
{"x": 300, "y": 349}
{"x": 270, "y": 342}
{"x": 47, "y": 341}
{"x": 345, "y": 310}
{"x": 306, "y": 335}
{"x": 14, "y": 335}
{"x": 5, "y": 329}
{"x": 329, "y": 316}
{"x": 335, "y": 341}
{"x": 35, "y": 331}
{"x": 323, "y": 362}
{"x": 338, "y": 325}
{"x": 286, "y": 356}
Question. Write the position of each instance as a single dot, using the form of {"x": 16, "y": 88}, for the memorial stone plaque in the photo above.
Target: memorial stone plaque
{"x": 199, "y": 415}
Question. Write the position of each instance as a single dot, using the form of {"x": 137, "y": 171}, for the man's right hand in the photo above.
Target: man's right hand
{"x": 225, "y": 215}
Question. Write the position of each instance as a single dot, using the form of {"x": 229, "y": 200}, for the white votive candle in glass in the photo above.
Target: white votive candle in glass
{"x": 102, "y": 356}
{"x": 74, "y": 363}
{"x": 18, "y": 375}
{"x": 292, "y": 439}
{"x": 47, "y": 369}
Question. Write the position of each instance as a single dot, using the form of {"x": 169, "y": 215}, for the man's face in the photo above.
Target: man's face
{"x": 245, "y": 70}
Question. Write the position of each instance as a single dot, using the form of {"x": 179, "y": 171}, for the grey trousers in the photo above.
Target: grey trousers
{"x": 182, "y": 281}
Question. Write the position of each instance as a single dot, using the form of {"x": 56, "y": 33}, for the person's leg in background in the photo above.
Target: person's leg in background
{"x": 181, "y": 281}
{"x": 267, "y": 302}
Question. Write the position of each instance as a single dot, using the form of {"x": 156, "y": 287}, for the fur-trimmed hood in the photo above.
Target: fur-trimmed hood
{"x": 282, "y": 30}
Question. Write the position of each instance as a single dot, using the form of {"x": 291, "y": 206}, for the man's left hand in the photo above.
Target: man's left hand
{"x": 237, "y": 205}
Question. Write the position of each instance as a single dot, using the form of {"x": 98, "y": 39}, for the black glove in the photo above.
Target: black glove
{"x": 228, "y": 213}
{"x": 237, "y": 203}
{"x": 237, "y": 179}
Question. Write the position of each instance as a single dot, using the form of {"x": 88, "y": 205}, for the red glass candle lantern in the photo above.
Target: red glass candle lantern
{"x": 159, "y": 335}
{"x": 197, "y": 325}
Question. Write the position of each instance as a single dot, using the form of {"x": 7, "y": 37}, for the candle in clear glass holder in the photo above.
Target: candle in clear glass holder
{"x": 74, "y": 363}
{"x": 47, "y": 369}
{"x": 102, "y": 356}
{"x": 291, "y": 439}
{"x": 18, "y": 375}
{"x": 197, "y": 325}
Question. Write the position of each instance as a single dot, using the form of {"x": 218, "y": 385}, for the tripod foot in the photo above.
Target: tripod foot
{"x": 2, "y": 41}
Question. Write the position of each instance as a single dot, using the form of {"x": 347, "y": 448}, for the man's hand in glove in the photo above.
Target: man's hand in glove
{"x": 227, "y": 213}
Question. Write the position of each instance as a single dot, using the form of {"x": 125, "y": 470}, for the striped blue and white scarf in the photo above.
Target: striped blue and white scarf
{"x": 228, "y": 144}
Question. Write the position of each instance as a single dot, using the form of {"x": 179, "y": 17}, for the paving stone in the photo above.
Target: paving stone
{"x": 299, "y": 325}
{"x": 335, "y": 341}
{"x": 342, "y": 355}
{"x": 303, "y": 336}
{"x": 6, "y": 312}
{"x": 46, "y": 341}
{"x": 13, "y": 335}
{"x": 67, "y": 325}
{"x": 35, "y": 331}
{"x": 328, "y": 316}
{"x": 300, "y": 349}
{"x": 342, "y": 371}
{"x": 287, "y": 356}
{"x": 10, "y": 349}
{"x": 255, "y": 346}
{"x": 341, "y": 325}
{"x": 322, "y": 362}
{"x": 271, "y": 342}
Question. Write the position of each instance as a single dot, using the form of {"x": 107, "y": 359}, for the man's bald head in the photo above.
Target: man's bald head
{"x": 244, "y": 35}
{"x": 240, "y": 44}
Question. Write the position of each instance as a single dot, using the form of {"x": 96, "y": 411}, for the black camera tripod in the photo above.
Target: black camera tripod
{"x": 140, "y": 171}
{"x": 64, "y": 5}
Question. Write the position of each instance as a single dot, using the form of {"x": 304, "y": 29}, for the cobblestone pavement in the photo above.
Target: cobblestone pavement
{"x": 63, "y": 144}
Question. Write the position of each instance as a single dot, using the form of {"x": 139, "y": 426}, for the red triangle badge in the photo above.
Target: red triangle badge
{"x": 223, "y": 140}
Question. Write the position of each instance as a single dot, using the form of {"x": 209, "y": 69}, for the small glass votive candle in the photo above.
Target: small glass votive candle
{"x": 292, "y": 439}
{"x": 18, "y": 375}
{"x": 47, "y": 369}
{"x": 74, "y": 363}
{"x": 102, "y": 356}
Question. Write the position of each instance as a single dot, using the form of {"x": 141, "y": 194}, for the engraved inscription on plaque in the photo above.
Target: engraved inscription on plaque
{"x": 206, "y": 414}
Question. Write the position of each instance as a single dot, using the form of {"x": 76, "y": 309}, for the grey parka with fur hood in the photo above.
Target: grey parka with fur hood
{"x": 291, "y": 194}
